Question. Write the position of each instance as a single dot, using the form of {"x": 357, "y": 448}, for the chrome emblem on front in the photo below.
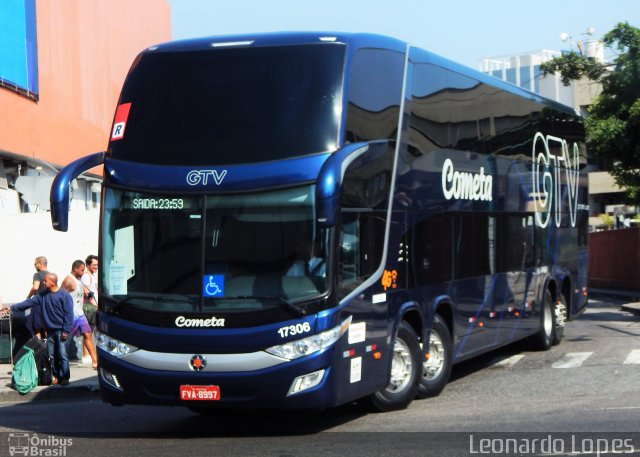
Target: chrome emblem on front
{"x": 198, "y": 362}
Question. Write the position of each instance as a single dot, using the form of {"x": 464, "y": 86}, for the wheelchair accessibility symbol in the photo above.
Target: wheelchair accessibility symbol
{"x": 213, "y": 286}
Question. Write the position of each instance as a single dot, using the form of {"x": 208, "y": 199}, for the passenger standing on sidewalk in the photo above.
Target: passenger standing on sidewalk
{"x": 90, "y": 280}
{"x": 57, "y": 316}
{"x": 34, "y": 320}
{"x": 74, "y": 286}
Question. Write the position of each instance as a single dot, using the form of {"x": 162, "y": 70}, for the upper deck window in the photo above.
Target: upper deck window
{"x": 227, "y": 106}
{"x": 375, "y": 95}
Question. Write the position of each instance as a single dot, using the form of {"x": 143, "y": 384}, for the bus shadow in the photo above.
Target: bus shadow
{"x": 174, "y": 423}
{"x": 481, "y": 362}
{"x": 252, "y": 423}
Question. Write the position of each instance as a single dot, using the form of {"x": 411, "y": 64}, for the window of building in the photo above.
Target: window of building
{"x": 18, "y": 47}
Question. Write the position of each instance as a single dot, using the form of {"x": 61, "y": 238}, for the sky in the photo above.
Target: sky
{"x": 464, "y": 31}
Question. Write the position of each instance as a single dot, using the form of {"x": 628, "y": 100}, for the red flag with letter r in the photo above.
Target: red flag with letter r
{"x": 122, "y": 113}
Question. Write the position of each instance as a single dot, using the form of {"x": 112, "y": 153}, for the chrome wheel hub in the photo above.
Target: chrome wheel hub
{"x": 561, "y": 314}
{"x": 434, "y": 365}
{"x": 401, "y": 367}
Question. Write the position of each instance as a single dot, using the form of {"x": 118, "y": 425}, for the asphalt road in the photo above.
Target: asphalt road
{"x": 579, "y": 396}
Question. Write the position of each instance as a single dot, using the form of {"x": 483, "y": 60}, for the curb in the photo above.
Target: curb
{"x": 50, "y": 393}
{"x": 614, "y": 294}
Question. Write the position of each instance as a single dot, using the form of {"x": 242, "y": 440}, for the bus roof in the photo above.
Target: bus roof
{"x": 354, "y": 41}
{"x": 282, "y": 39}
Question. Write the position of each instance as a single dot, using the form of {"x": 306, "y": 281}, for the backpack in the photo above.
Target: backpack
{"x": 41, "y": 358}
{"x": 25, "y": 373}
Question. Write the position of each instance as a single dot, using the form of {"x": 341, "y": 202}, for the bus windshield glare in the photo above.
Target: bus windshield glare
{"x": 230, "y": 253}
{"x": 229, "y": 106}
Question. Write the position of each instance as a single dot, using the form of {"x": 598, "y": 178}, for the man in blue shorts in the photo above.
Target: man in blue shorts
{"x": 78, "y": 291}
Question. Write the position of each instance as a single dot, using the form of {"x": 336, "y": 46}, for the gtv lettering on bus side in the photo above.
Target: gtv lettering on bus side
{"x": 546, "y": 174}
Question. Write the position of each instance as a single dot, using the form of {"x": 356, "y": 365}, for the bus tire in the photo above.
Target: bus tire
{"x": 405, "y": 373}
{"x": 543, "y": 340}
{"x": 560, "y": 319}
{"x": 436, "y": 370}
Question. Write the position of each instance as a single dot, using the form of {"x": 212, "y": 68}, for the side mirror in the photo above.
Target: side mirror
{"x": 329, "y": 183}
{"x": 59, "y": 196}
{"x": 358, "y": 175}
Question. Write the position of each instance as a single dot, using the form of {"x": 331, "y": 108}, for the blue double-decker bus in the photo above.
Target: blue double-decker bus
{"x": 300, "y": 220}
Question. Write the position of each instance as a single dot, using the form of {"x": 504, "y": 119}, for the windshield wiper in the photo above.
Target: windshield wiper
{"x": 128, "y": 298}
{"x": 287, "y": 304}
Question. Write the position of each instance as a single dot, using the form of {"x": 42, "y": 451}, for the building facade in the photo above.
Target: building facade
{"x": 62, "y": 64}
{"x": 523, "y": 70}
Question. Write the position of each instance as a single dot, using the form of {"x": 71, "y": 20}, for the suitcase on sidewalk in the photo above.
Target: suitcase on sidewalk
{"x": 41, "y": 356}
{"x": 6, "y": 341}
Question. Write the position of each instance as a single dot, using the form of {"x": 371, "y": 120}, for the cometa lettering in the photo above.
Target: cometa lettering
{"x": 182, "y": 321}
{"x": 462, "y": 185}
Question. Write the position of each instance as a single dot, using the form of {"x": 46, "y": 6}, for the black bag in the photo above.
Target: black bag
{"x": 41, "y": 356}
{"x": 90, "y": 313}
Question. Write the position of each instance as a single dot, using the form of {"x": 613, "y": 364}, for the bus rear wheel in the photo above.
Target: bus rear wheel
{"x": 404, "y": 378}
{"x": 437, "y": 368}
{"x": 552, "y": 322}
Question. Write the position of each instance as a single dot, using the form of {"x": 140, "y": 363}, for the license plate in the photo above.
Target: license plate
{"x": 206, "y": 393}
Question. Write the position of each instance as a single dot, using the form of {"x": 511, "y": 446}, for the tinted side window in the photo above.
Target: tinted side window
{"x": 361, "y": 245}
{"x": 374, "y": 95}
{"x": 515, "y": 242}
{"x": 367, "y": 180}
{"x": 430, "y": 248}
{"x": 454, "y": 111}
{"x": 473, "y": 245}
{"x": 444, "y": 108}
{"x": 429, "y": 124}
{"x": 451, "y": 246}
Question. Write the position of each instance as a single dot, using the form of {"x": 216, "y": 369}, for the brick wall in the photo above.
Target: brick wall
{"x": 614, "y": 259}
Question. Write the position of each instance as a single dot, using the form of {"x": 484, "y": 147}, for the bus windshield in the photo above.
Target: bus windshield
{"x": 207, "y": 253}
{"x": 231, "y": 106}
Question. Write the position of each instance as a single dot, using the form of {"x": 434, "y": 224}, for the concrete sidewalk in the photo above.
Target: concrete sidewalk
{"x": 83, "y": 385}
{"x": 629, "y": 299}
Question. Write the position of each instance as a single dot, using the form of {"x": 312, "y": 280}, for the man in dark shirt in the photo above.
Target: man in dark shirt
{"x": 34, "y": 320}
{"x": 56, "y": 306}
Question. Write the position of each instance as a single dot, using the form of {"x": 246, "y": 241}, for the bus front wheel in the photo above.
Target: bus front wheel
{"x": 437, "y": 368}
{"x": 404, "y": 378}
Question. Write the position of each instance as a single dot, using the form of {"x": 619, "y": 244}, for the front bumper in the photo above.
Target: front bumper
{"x": 264, "y": 387}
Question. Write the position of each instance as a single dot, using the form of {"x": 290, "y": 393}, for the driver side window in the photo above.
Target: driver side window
{"x": 361, "y": 247}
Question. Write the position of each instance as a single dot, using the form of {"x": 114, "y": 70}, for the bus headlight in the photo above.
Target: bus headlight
{"x": 112, "y": 346}
{"x": 314, "y": 343}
